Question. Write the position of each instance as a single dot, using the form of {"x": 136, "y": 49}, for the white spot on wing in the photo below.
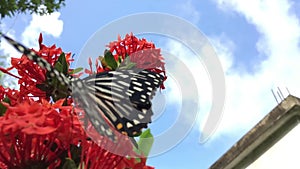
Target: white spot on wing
{"x": 144, "y": 111}
{"x": 52, "y": 74}
{"x": 59, "y": 78}
{"x": 135, "y": 121}
{"x": 151, "y": 75}
{"x": 97, "y": 123}
{"x": 137, "y": 88}
{"x": 102, "y": 128}
{"x": 137, "y": 83}
{"x": 79, "y": 84}
{"x": 109, "y": 132}
{"x": 123, "y": 83}
{"x": 20, "y": 48}
{"x": 124, "y": 76}
{"x": 140, "y": 116}
{"x": 129, "y": 125}
{"x": 41, "y": 64}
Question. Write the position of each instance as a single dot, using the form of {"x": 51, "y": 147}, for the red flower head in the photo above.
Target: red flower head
{"x": 141, "y": 52}
{"x": 31, "y": 74}
{"x": 12, "y": 95}
{"x": 32, "y": 134}
{"x": 2, "y": 93}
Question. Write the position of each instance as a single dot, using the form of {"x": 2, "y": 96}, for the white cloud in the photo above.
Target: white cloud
{"x": 188, "y": 10}
{"x": 5, "y": 47}
{"x": 46, "y": 24}
{"x": 249, "y": 96}
{"x": 187, "y": 68}
{"x": 224, "y": 48}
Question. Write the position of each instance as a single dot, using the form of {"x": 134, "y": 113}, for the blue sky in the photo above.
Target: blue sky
{"x": 256, "y": 41}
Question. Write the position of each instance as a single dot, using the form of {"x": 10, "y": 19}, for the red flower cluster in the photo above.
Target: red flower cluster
{"x": 31, "y": 74}
{"x": 35, "y": 133}
{"x": 141, "y": 52}
{"x": 41, "y": 135}
{"x": 12, "y": 94}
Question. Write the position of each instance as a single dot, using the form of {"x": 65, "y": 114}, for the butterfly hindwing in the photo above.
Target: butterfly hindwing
{"x": 89, "y": 103}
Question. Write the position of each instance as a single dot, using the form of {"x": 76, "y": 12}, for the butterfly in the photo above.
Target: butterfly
{"x": 113, "y": 100}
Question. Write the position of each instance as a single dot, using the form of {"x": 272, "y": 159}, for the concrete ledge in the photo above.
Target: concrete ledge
{"x": 262, "y": 136}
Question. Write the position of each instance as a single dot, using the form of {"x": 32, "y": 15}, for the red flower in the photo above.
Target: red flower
{"x": 31, "y": 74}
{"x": 102, "y": 155}
{"x": 99, "y": 68}
{"x": 3, "y": 166}
{"x": 2, "y": 93}
{"x": 52, "y": 53}
{"x": 13, "y": 95}
{"x": 141, "y": 52}
{"x": 30, "y": 136}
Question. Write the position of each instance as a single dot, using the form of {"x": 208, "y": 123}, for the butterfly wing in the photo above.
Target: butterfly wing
{"x": 124, "y": 96}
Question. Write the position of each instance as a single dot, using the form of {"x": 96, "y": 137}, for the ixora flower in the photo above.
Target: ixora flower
{"x": 30, "y": 135}
{"x": 37, "y": 135}
{"x": 140, "y": 53}
{"x": 39, "y": 127}
{"x": 31, "y": 75}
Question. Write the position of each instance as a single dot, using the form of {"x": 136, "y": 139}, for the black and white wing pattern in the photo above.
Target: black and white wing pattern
{"x": 114, "y": 100}
{"x": 124, "y": 97}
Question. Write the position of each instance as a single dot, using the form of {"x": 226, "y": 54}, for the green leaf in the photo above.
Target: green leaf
{"x": 81, "y": 165}
{"x": 110, "y": 60}
{"x": 130, "y": 65}
{"x": 62, "y": 66}
{"x": 69, "y": 164}
{"x": 145, "y": 142}
{"x": 9, "y": 8}
{"x": 76, "y": 153}
{"x": 62, "y": 60}
{"x": 2, "y": 107}
{"x": 77, "y": 70}
{"x": 127, "y": 64}
{"x": 58, "y": 66}
{"x": 43, "y": 87}
{"x": 102, "y": 60}
{"x": 120, "y": 59}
